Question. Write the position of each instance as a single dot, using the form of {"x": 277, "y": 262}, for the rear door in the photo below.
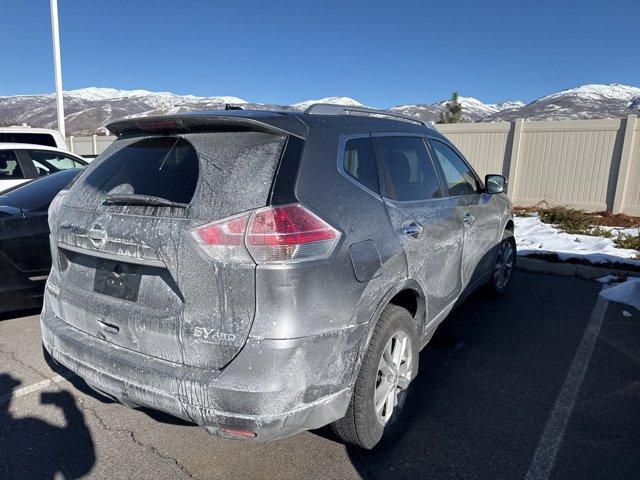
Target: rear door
{"x": 425, "y": 220}
{"x": 478, "y": 214}
{"x": 127, "y": 266}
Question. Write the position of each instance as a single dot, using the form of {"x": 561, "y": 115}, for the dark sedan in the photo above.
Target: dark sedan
{"x": 25, "y": 258}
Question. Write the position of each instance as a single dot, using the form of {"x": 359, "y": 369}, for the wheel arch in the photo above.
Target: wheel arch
{"x": 407, "y": 294}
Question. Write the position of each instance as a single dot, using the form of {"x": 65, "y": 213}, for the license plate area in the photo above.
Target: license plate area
{"x": 117, "y": 279}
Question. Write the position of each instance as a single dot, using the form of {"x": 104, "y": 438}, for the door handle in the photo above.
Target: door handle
{"x": 414, "y": 230}
{"x": 468, "y": 219}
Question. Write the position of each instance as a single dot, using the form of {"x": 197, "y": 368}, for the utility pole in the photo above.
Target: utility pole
{"x": 55, "y": 35}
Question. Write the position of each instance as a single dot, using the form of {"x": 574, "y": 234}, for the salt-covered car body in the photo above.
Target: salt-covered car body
{"x": 240, "y": 288}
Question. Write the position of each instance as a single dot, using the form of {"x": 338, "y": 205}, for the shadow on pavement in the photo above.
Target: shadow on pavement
{"x": 33, "y": 448}
{"x": 19, "y": 313}
{"x": 487, "y": 383}
{"x": 82, "y": 386}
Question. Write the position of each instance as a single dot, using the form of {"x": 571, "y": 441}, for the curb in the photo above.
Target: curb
{"x": 590, "y": 272}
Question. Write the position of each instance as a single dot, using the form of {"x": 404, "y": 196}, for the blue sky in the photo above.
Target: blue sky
{"x": 381, "y": 53}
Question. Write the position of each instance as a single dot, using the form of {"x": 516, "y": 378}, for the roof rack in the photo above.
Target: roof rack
{"x": 332, "y": 109}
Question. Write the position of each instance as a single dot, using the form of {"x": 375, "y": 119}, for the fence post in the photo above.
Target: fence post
{"x": 513, "y": 159}
{"x": 94, "y": 145}
{"x": 71, "y": 144}
{"x": 625, "y": 162}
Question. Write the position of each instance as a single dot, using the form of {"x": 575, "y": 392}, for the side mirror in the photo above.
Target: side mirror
{"x": 495, "y": 183}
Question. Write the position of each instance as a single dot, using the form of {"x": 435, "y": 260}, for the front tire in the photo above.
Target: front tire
{"x": 380, "y": 391}
{"x": 503, "y": 267}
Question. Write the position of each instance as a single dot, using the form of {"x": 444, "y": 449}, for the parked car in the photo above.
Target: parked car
{"x": 20, "y": 163}
{"x": 263, "y": 273}
{"x": 25, "y": 255}
{"x": 33, "y": 136}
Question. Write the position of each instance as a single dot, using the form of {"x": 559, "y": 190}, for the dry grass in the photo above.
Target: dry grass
{"x": 628, "y": 241}
{"x": 567, "y": 219}
{"x": 605, "y": 218}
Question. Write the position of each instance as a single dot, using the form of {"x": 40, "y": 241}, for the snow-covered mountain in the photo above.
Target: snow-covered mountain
{"x": 332, "y": 100}
{"x": 89, "y": 109}
{"x": 588, "y": 101}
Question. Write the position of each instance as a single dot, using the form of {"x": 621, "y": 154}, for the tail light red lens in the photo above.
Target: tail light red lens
{"x": 224, "y": 240}
{"x": 287, "y": 233}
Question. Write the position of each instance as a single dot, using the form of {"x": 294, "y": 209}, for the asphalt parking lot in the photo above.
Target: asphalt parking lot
{"x": 544, "y": 383}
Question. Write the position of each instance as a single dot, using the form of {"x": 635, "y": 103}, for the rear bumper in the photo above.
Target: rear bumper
{"x": 274, "y": 388}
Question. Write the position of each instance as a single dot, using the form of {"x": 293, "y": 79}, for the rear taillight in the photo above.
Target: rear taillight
{"x": 224, "y": 240}
{"x": 288, "y": 233}
{"x": 54, "y": 209}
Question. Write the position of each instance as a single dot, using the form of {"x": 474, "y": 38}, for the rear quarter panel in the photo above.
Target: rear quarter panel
{"x": 316, "y": 297}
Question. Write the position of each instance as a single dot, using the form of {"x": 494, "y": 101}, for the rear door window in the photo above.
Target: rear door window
{"x": 47, "y": 163}
{"x": 409, "y": 173}
{"x": 459, "y": 177}
{"x": 359, "y": 162}
{"x": 9, "y": 166}
{"x": 163, "y": 167}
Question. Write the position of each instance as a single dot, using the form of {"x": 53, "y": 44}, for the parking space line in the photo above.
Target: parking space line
{"x": 30, "y": 389}
{"x": 545, "y": 455}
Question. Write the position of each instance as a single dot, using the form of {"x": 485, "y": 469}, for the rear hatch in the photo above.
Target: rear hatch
{"x": 126, "y": 265}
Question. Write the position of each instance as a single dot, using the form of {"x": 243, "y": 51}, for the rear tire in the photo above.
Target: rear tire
{"x": 383, "y": 380}
{"x": 503, "y": 267}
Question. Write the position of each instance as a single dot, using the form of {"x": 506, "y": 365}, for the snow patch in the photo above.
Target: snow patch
{"x": 535, "y": 237}
{"x": 626, "y": 292}
{"x": 607, "y": 279}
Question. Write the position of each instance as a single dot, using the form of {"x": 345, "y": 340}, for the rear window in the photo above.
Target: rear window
{"x": 216, "y": 173}
{"x": 33, "y": 138}
{"x": 359, "y": 162}
{"x": 164, "y": 167}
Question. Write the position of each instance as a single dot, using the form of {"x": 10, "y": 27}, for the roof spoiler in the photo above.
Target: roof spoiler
{"x": 195, "y": 123}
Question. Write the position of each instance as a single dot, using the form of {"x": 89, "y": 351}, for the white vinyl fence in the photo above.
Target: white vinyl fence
{"x": 588, "y": 164}
{"x": 89, "y": 146}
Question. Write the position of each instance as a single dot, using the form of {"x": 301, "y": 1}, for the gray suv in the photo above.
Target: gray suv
{"x": 264, "y": 273}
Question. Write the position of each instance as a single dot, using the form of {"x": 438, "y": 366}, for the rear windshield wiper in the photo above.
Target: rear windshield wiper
{"x": 138, "y": 199}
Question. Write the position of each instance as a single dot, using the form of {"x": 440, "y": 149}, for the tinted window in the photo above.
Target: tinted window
{"x": 9, "y": 166}
{"x": 37, "y": 195}
{"x": 409, "y": 174}
{"x": 52, "y": 162}
{"x": 33, "y": 138}
{"x": 360, "y": 163}
{"x": 165, "y": 167}
{"x": 459, "y": 177}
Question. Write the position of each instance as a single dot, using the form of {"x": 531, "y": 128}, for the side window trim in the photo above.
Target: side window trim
{"x": 340, "y": 162}
{"x": 28, "y": 168}
{"x": 481, "y": 188}
{"x": 382, "y": 172}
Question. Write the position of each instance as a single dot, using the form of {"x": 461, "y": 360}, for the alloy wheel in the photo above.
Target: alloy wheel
{"x": 504, "y": 265}
{"x": 394, "y": 375}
